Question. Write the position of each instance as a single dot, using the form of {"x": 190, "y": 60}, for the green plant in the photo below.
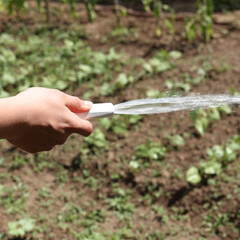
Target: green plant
{"x": 20, "y": 227}
{"x": 119, "y": 202}
{"x": 193, "y": 176}
{"x": 190, "y": 29}
{"x": 14, "y": 5}
{"x": 90, "y": 9}
{"x": 218, "y": 157}
{"x": 120, "y": 12}
{"x": 150, "y": 151}
{"x": 203, "y": 118}
{"x": 96, "y": 140}
{"x": 14, "y": 198}
{"x": 205, "y": 11}
{"x": 176, "y": 140}
{"x": 158, "y": 8}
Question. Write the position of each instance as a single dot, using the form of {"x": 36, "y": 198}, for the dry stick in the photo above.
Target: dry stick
{"x": 47, "y": 10}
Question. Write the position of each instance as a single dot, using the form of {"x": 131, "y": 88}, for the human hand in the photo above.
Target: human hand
{"x": 44, "y": 118}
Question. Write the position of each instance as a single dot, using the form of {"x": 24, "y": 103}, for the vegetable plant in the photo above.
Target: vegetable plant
{"x": 96, "y": 140}
{"x": 150, "y": 151}
{"x": 90, "y": 9}
{"x": 205, "y": 11}
{"x": 20, "y": 227}
{"x": 203, "y": 118}
{"x": 217, "y": 157}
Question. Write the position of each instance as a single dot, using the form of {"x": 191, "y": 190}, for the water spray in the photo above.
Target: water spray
{"x": 160, "y": 105}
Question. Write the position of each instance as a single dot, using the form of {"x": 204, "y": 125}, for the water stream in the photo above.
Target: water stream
{"x": 175, "y": 103}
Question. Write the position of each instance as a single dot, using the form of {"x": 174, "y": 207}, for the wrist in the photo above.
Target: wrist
{"x": 10, "y": 117}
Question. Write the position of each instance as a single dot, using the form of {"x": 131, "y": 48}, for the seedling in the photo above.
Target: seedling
{"x": 150, "y": 151}
{"x": 176, "y": 140}
{"x": 97, "y": 140}
{"x": 20, "y": 227}
{"x": 205, "y": 10}
{"x": 203, "y": 118}
{"x": 219, "y": 156}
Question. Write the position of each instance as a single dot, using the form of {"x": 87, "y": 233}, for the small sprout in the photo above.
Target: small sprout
{"x": 175, "y": 54}
{"x": 150, "y": 151}
{"x": 176, "y": 140}
{"x": 20, "y": 227}
{"x": 97, "y": 139}
{"x": 193, "y": 175}
{"x": 201, "y": 124}
{"x": 134, "y": 164}
{"x": 122, "y": 80}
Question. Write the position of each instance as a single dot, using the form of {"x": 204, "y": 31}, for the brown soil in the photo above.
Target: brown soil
{"x": 177, "y": 193}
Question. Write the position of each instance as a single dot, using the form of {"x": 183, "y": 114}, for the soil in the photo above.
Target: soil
{"x": 178, "y": 194}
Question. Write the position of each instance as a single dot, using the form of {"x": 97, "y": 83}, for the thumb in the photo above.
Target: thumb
{"x": 76, "y": 105}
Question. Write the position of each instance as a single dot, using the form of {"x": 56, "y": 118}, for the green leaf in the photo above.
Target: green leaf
{"x": 160, "y": 65}
{"x": 133, "y": 119}
{"x": 1, "y": 189}
{"x": 201, "y": 125}
{"x": 150, "y": 151}
{"x": 177, "y": 140}
{"x": 229, "y": 154}
{"x": 211, "y": 167}
{"x": 153, "y": 93}
{"x": 120, "y": 128}
{"x": 8, "y": 78}
{"x": 105, "y": 123}
{"x": 61, "y": 85}
{"x": 134, "y": 164}
{"x": 21, "y": 227}
{"x": 216, "y": 152}
{"x": 193, "y": 175}
{"x": 214, "y": 114}
{"x": 175, "y": 54}
{"x": 122, "y": 80}
{"x": 234, "y": 143}
{"x": 97, "y": 139}
{"x": 85, "y": 68}
{"x": 148, "y": 67}
{"x": 226, "y": 109}
{"x": 68, "y": 43}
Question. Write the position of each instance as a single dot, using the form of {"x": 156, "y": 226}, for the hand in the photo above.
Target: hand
{"x": 43, "y": 118}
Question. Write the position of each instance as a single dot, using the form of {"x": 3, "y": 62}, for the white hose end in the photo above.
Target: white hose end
{"x": 98, "y": 110}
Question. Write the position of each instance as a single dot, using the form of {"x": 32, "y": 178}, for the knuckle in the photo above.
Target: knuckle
{"x": 77, "y": 102}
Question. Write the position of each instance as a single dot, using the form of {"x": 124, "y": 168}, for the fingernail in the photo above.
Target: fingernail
{"x": 88, "y": 103}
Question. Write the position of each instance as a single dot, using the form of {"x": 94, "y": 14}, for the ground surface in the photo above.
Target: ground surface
{"x": 107, "y": 187}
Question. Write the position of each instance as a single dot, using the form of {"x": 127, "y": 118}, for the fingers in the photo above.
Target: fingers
{"x": 76, "y": 105}
{"x": 79, "y": 126}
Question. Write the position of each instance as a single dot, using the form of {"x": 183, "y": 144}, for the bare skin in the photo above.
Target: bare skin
{"x": 39, "y": 118}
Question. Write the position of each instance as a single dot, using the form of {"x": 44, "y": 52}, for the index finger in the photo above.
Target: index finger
{"x": 79, "y": 126}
